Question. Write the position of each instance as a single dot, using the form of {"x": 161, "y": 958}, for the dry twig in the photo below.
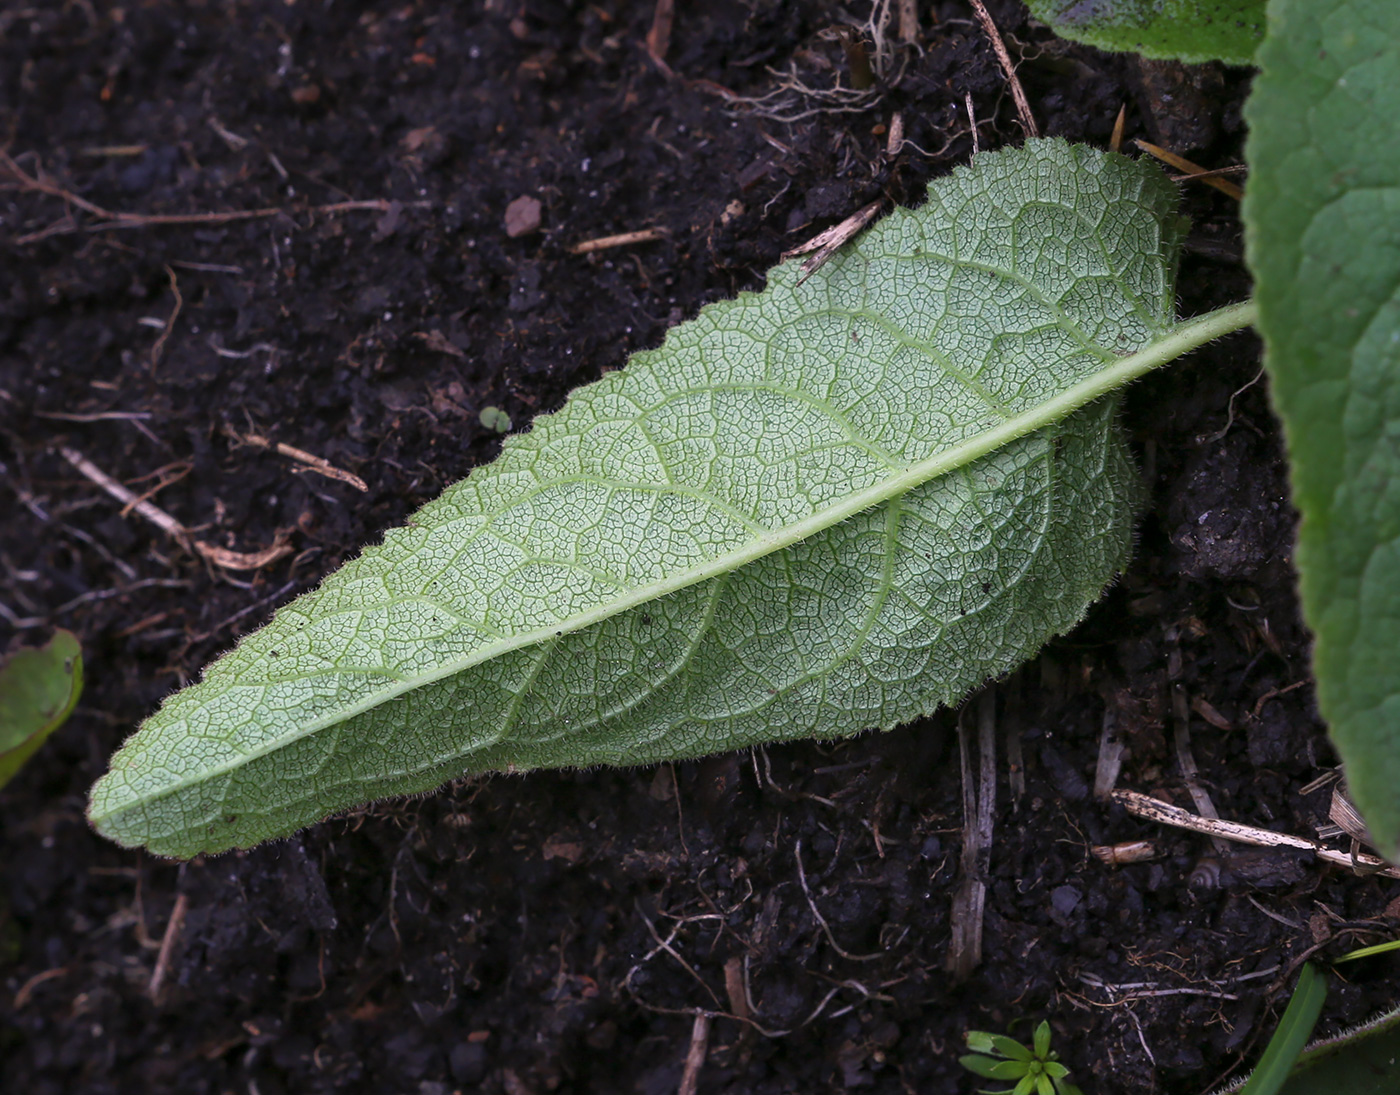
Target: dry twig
{"x": 1192, "y": 171}
{"x": 825, "y": 244}
{"x": 221, "y": 557}
{"x": 695, "y": 1056}
{"x": 816, "y": 912}
{"x": 979, "y": 805}
{"x": 622, "y": 239}
{"x": 1018, "y": 93}
{"x": 301, "y": 456}
{"x": 167, "y": 943}
{"x": 41, "y": 183}
{"x": 1164, "y": 812}
{"x": 159, "y": 347}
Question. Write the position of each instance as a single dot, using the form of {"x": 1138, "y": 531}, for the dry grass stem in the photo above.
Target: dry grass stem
{"x": 1192, "y": 171}
{"x": 1018, "y": 93}
{"x": 622, "y": 239}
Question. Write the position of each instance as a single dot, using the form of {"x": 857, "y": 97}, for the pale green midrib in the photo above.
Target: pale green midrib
{"x": 840, "y": 418}
{"x": 1182, "y": 339}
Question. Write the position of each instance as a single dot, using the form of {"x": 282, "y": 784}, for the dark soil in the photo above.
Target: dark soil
{"x": 506, "y": 935}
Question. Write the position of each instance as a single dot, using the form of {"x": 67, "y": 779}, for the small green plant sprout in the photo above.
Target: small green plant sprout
{"x": 493, "y": 418}
{"x": 38, "y": 690}
{"x": 1035, "y": 1068}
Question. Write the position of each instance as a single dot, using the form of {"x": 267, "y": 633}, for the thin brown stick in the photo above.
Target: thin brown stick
{"x": 816, "y": 912}
{"x": 95, "y": 416}
{"x": 622, "y": 239}
{"x": 1164, "y": 812}
{"x": 680, "y": 812}
{"x": 166, "y": 476}
{"x": 156, "y": 220}
{"x": 167, "y": 943}
{"x": 1181, "y": 163}
{"x": 1186, "y": 759}
{"x": 149, "y": 511}
{"x": 159, "y": 347}
{"x": 659, "y": 36}
{"x": 1214, "y": 172}
{"x": 695, "y": 1056}
{"x": 222, "y": 557}
{"x": 301, "y": 456}
{"x": 1018, "y": 93}
{"x": 40, "y": 182}
{"x": 26, "y": 990}
{"x": 665, "y": 945}
{"x": 979, "y": 805}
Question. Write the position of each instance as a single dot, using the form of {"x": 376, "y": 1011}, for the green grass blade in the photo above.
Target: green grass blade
{"x": 1292, "y": 1034}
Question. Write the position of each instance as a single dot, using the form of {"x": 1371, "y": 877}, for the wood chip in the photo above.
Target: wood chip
{"x": 1130, "y": 851}
{"x": 825, "y": 244}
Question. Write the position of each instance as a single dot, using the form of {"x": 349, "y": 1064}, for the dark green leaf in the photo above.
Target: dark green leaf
{"x": 38, "y": 690}
{"x": 1322, "y": 222}
{"x": 1188, "y": 30}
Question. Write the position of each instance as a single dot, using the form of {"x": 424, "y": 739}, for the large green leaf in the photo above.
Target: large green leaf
{"x": 1188, "y": 30}
{"x": 1322, "y": 219}
{"x": 830, "y": 506}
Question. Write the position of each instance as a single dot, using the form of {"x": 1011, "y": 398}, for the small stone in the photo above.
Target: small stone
{"x": 522, "y": 216}
{"x": 1064, "y": 900}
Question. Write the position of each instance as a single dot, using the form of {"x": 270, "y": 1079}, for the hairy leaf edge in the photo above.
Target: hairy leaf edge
{"x": 1178, "y": 341}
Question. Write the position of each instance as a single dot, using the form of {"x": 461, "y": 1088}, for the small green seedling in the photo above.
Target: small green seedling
{"x": 493, "y": 418}
{"x": 1036, "y": 1069}
{"x": 38, "y": 690}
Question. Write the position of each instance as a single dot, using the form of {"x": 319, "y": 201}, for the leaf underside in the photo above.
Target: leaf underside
{"x": 1186, "y": 30}
{"x": 1322, "y": 221}
{"x": 800, "y": 516}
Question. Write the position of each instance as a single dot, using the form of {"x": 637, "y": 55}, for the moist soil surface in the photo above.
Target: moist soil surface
{"x": 412, "y": 181}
